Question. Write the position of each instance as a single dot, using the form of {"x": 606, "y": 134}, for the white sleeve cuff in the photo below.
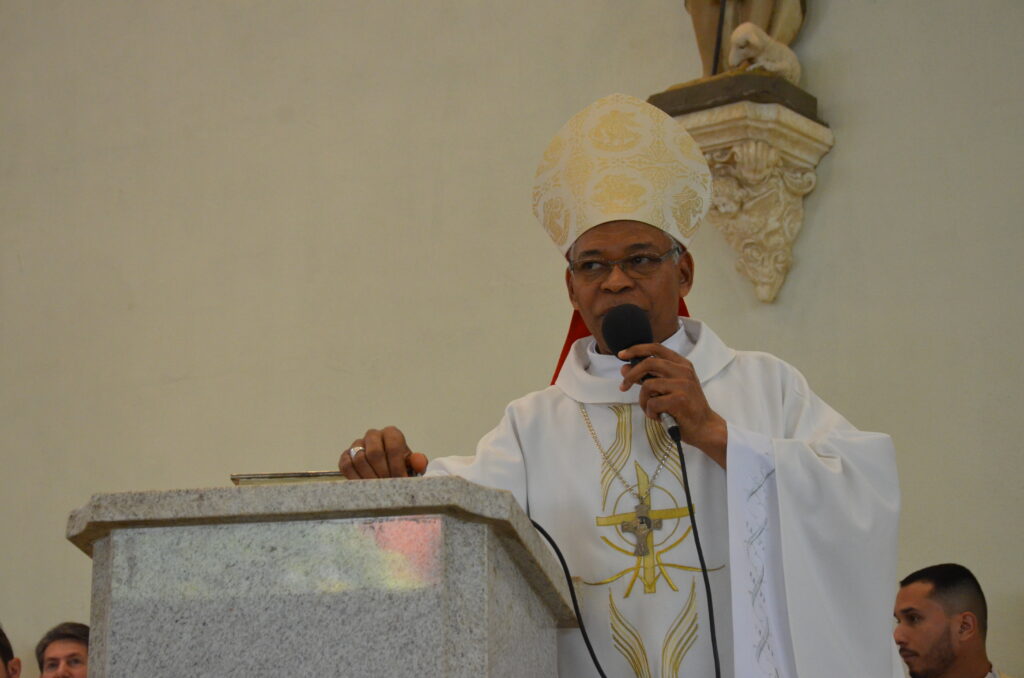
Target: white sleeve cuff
{"x": 749, "y": 451}
{"x": 761, "y": 637}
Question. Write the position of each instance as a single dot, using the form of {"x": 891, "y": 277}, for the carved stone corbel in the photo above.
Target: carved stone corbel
{"x": 763, "y": 158}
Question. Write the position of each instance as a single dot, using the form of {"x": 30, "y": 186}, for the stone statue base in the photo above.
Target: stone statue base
{"x": 762, "y": 138}
{"x": 733, "y": 86}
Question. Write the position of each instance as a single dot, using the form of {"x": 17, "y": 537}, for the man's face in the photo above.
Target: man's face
{"x": 924, "y": 633}
{"x": 657, "y": 294}
{"x": 65, "y": 659}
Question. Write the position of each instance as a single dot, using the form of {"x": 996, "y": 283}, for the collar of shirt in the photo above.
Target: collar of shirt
{"x": 608, "y": 366}
{"x": 589, "y": 377}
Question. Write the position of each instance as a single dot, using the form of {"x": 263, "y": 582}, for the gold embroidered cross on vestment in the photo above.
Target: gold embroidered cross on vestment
{"x": 642, "y": 522}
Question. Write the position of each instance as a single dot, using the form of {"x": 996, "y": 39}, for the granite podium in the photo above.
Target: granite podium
{"x": 401, "y": 577}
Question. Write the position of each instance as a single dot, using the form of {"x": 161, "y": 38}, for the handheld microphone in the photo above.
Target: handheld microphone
{"x": 626, "y": 326}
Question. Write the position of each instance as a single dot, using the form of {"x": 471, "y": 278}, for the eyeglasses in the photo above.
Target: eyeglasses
{"x": 636, "y": 266}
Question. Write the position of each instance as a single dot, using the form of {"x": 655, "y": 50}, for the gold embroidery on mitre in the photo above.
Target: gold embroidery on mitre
{"x": 578, "y": 170}
{"x": 681, "y": 637}
{"x": 621, "y": 158}
{"x": 686, "y": 205}
{"x": 628, "y": 641}
{"x": 615, "y": 132}
{"x": 618, "y": 194}
{"x": 689, "y": 148}
{"x": 552, "y": 154}
{"x": 556, "y": 220}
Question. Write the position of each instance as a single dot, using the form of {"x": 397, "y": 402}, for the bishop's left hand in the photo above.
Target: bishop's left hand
{"x": 673, "y": 387}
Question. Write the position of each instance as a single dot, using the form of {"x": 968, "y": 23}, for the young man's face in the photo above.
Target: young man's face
{"x": 658, "y": 294}
{"x": 65, "y": 659}
{"x": 924, "y": 633}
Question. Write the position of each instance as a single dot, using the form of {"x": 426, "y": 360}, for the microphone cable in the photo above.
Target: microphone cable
{"x": 572, "y": 594}
{"x": 673, "y": 432}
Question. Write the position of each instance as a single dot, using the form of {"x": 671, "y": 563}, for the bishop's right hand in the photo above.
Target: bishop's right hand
{"x": 381, "y": 454}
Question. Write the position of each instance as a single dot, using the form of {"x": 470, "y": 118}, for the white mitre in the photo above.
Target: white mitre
{"x": 621, "y": 159}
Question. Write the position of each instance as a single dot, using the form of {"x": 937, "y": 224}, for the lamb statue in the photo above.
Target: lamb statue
{"x": 752, "y": 48}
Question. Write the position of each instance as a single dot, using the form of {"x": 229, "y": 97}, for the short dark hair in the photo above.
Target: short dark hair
{"x": 65, "y": 631}
{"x": 955, "y": 588}
{"x": 6, "y": 651}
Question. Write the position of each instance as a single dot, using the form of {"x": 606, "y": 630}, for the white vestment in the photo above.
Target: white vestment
{"x": 799, "y": 536}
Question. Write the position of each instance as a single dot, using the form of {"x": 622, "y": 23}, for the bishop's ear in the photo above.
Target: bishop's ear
{"x": 571, "y": 290}
{"x": 685, "y": 273}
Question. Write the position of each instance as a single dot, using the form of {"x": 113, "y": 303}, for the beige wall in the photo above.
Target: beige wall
{"x": 235, "y": 234}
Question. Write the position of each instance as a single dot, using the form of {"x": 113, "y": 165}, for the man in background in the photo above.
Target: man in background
{"x": 10, "y": 666}
{"x": 941, "y": 621}
{"x": 64, "y": 651}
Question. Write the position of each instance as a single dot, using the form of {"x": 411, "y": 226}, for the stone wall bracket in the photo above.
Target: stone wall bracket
{"x": 763, "y": 157}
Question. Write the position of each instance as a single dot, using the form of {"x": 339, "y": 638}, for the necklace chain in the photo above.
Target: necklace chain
{"x": 629, "y": 488}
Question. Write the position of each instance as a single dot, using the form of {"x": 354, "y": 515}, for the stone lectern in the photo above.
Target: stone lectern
{"x": 405, "y": 577}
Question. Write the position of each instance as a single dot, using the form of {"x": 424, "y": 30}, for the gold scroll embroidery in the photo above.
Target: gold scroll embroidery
{"x": 618, "y": 194}
{"x": 636, "y": 529}
{"x": 681, "y": 636}
{"x": 616, "y": 131}
{"x": 556, "y": 220}
{"x": 679, "y": 640}
{"x": 628, "y": 641}
{"x": 619, "y": 451}
{"x": 663, "y": 447}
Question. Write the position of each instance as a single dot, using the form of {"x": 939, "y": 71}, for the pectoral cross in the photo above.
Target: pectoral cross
{"x": 642, "y": 523}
